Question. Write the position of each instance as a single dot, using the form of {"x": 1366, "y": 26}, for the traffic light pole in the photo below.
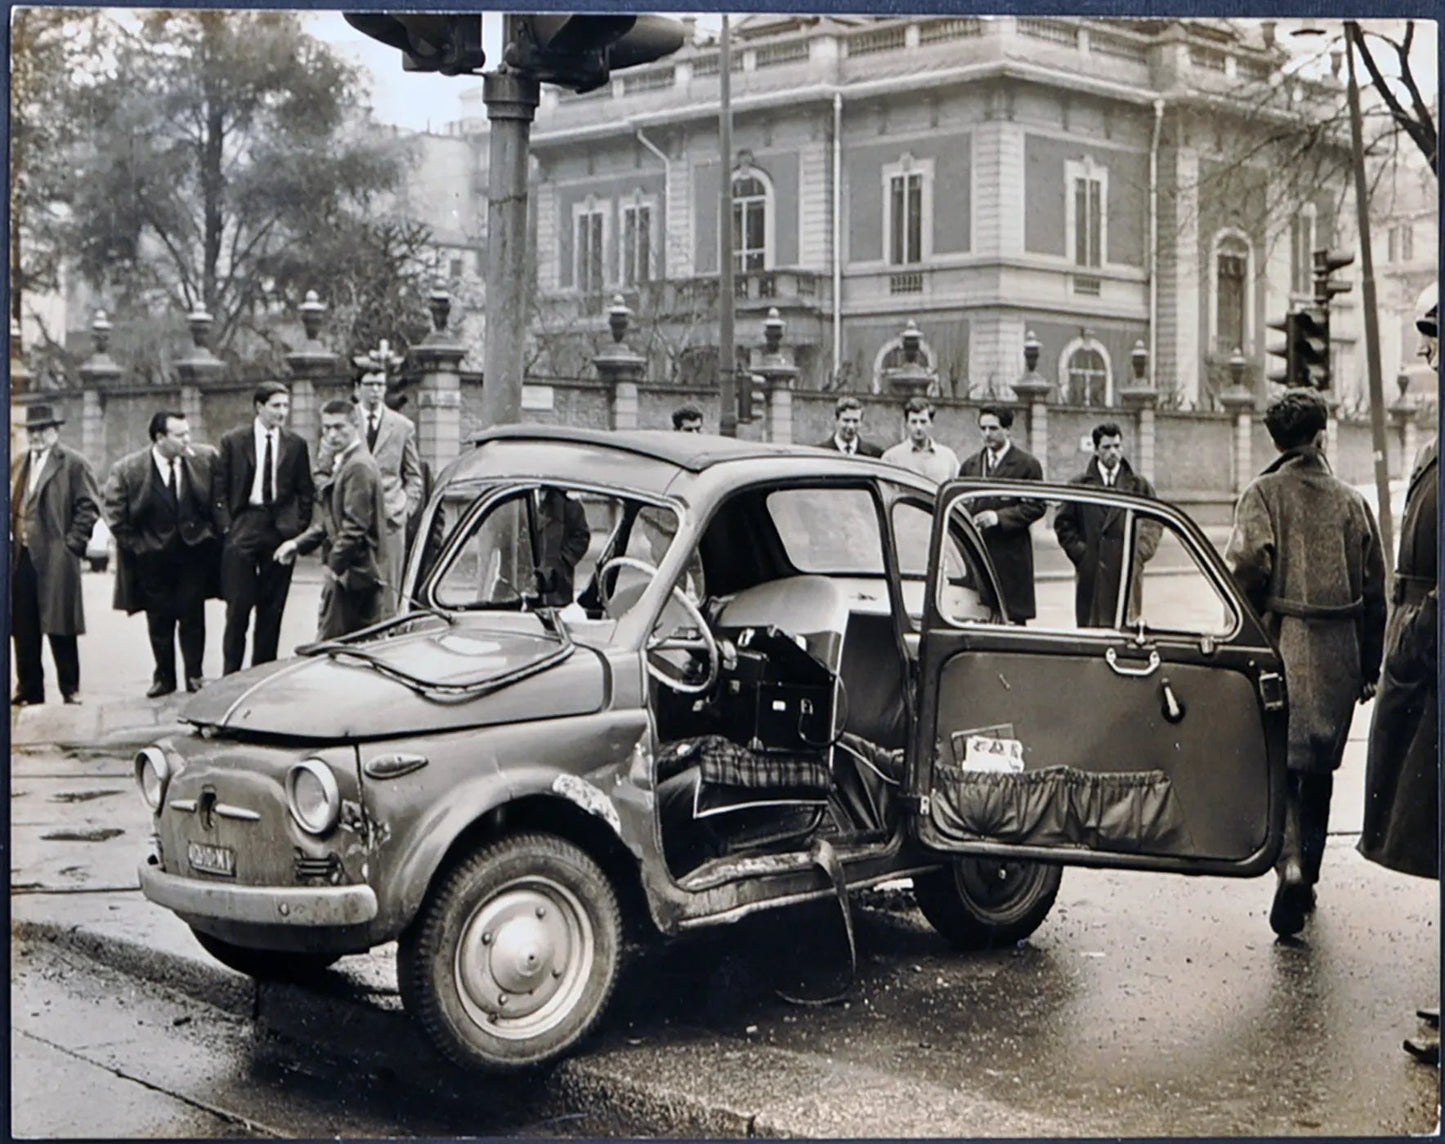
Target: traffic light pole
{"x": 1367, "y": 301}
{"x": 511, "y": 99}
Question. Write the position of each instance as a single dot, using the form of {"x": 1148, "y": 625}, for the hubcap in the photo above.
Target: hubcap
{"x": 524, "y": 957}
{"x": 991, "y": 884}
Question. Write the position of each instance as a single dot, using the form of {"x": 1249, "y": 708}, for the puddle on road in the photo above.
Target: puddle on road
{"x": 83, "y": 795}
{"x": 99, "y": 834}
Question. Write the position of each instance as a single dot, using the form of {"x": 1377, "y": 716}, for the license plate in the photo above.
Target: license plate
{"x": 207, "y": 859}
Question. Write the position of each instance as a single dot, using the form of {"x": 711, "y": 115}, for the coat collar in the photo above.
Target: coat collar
{"x": 50, "y": 468}
{"x": 1304, "y": 456}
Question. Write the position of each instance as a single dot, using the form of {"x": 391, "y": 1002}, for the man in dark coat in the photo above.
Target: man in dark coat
{"x": 263, "y": 494}
{"x": 1006, "y": 521}
{"x": 562, "y": 540}
{"x": 158, "y": 505}
{"x": 847, "y": 430}
{"x": 1092, "y": 536}
{"x": 1305, "y": 551}
{"x": 54, "y": 504}
{"x": 353, "y": 514}
{"x": 1402, "y": 776}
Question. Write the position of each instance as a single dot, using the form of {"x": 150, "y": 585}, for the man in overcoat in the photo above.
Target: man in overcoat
{"x": 390, "y": 438}
{"x": 1305, "y": 551}
{"x": 54, "y": 504}
{"x": 562, "y": 540}
{"x": 353, "y": 515}
{"x": 158, "y": 505}
{"x": 1402, "y": 776}
{"x": 1092, "y": 536}
{"x": 1006, "y": 522}
{"x": 263, "y": 494}
{"x": 847, "y": 435}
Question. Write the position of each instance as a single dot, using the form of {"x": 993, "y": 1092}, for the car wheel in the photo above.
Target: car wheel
{"x": 513, "y": 960}
{"x": 982, "y": 903}
{"x": 265, "y": 964}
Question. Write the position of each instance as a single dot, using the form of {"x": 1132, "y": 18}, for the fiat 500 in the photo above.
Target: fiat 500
{"x": 694, "y": 678}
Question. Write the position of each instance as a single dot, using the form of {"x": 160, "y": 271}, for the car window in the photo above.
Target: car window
{"x": 828, "y": 530}
{"x": 1176, "y": 594}
{"x": 494, "y": 565}
{"x": 912, "y": 534}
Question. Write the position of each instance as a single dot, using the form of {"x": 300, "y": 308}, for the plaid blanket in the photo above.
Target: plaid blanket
{"x": 722, "y": 762}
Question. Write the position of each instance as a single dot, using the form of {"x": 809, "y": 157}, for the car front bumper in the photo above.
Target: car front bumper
{"x": 259, "y": 905}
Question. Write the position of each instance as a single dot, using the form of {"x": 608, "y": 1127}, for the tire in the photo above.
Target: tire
{"x": 265, "y": 964}
{"x": 981, "y": 903}
{"x": 465, "y": 964}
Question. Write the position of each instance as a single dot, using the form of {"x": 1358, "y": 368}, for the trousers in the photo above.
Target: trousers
{"x": 25, "y": 630}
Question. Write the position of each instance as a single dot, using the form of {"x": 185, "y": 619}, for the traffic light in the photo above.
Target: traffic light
{"x": 1326, "y": 262}
{"x": 1289, "y": 375}
{"x": 450, "y": 43}
{"x": 1310, "y": 340}
{"x": 752, "y": 395}
{"x": 581, "y": 51}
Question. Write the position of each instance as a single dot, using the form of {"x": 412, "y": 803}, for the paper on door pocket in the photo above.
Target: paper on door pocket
{"x": 989, "y": 749}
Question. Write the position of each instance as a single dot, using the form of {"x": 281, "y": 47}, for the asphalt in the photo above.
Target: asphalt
{"x": 78, "y": 829}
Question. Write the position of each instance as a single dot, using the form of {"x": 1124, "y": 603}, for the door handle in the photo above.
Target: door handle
{"x": 1111, "y": 657}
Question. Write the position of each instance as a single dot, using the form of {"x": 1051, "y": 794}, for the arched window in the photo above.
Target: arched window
{"x": 891, "y": 357}
{"x": 1232, "y": 272}
{"x": 1086, "y": 375}
{"x": 752, "y": 221}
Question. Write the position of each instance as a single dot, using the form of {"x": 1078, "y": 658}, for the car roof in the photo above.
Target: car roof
{"x": 694, "y": 452}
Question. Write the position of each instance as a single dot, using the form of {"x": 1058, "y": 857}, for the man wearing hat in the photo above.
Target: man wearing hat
{"x": 1401, "y": 828}
{"x": 54, "y": 504}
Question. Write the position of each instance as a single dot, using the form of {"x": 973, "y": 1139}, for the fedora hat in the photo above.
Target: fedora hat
{"x": 41, "y": 417}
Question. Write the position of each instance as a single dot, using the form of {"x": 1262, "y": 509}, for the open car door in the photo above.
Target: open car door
{"x": 1136, "y": 720}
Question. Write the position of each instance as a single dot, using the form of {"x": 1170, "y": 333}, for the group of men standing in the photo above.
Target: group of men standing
{"x": 192, "y": 521}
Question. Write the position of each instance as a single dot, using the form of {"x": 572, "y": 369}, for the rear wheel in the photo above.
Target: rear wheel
{"x": 983, "y": 903}
{"x": 265, "y": 964}
{"x": 513, "y": 960}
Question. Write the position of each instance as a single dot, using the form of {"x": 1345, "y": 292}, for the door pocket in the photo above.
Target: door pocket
{"x": 1121, "y": 811}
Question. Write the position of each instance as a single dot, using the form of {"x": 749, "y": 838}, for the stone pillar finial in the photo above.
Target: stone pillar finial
{"x": 779, "y": 374}
{"x": 313, "y": 310}
{"x": 99, "y": 369}
{"x": 618, "y": 319}
{"x": 439, "y": 302}
{"x": 620, "y": 368}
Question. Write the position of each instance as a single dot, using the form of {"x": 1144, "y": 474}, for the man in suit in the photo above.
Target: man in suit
{"x": 390, "y": 438}
{"x": 263, "y": 495}
{"x": 158, "y": 504}
{"x": 54, "y": 504}
{"x": 1092, "y": 536}
{"x": 847, "y": 427}
{"x": 353, "y": 517}
{"x": 1006, "y": 521}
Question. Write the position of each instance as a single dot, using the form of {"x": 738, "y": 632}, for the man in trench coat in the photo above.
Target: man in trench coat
{"x": 1305, "y": 551}
{"x": 54, "y": 504}
{"x": 1402, "y": 776}
{"x": 168, "y": 557}
{"x": 1092, "y": 536}
{"x": 1006, "y": 522}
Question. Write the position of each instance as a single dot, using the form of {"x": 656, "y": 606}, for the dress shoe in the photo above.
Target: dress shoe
{"x": 1431, "y": 1017}
{"x": 1426, "y": 1050}
{"x": 159, "y": 688}
{"x": 194, "y": 683}
{"x": 1291, "y": 901}
{"x": 74, "y": 699}
{"x": 18, "y": 700}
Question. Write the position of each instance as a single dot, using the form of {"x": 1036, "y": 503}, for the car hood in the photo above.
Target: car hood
{"x": 330, "y": 697}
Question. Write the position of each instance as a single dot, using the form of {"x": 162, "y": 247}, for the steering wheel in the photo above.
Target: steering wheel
{"x": 704, "y": 646}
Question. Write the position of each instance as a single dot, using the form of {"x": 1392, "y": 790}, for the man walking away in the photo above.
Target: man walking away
{"x": 1006, "y": 521}
{"x": 353, "y": 515}
{"x": 54, "y": 504}
{"x": 847, "y": 430}
{"x": 263, "y": 495}
{"x": 158, "y": 504}
{"x": 1402, "y": 777}
{"x": 1305, "y": 550}
{"x": 1092, "y": 536}
{"x": 918, "y": 450}
{"x": 391, "y": 439}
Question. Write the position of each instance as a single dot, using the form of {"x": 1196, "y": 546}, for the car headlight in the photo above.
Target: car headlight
{"x": 152, "y": 773}
{"x": 313, "y": 796}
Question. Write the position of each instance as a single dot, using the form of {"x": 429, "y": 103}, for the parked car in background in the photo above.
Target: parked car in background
{"x": 784, "y": 672}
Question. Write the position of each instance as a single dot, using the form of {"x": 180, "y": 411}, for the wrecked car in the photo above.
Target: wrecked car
{"x": 779, "y": 674}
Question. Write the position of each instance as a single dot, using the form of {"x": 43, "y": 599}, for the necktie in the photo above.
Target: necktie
{"x": 268, "y": 489}
{"x": 852, "y": 448}
{"x": 371, "y": 425}
{"x": 173, "y": 482}
{"x": 37, "y": 462}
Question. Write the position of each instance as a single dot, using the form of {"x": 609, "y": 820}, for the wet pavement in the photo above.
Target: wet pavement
{"x": 1144, "y": 1005}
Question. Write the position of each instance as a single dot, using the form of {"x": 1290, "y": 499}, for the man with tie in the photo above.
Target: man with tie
{"x": 263, "y": 494}
{"x": 158, "y": 504}
{"x": 847, "y": 430}
{"x": 1092, "y": 535}
{"x": 353, "y": 515}
{"x": 54, "y": 504}
{"x": 1006, "y": 521}
{"x": 390, "y": 437}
